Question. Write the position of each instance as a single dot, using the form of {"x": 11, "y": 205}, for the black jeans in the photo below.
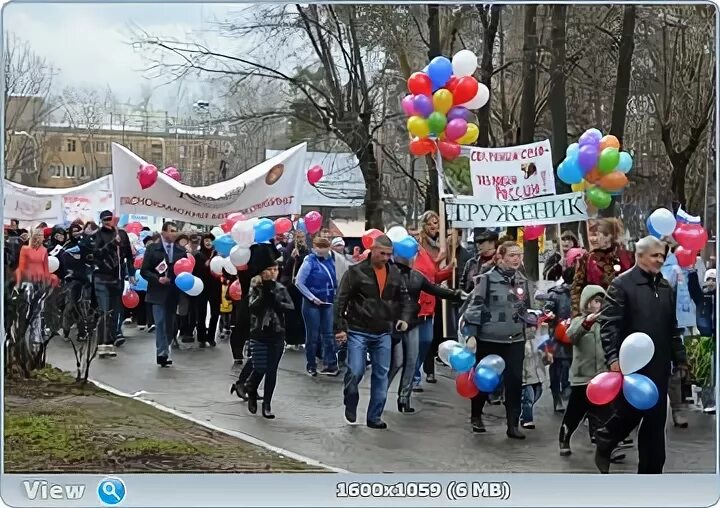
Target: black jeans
{"x": 578, "y": 407}
{"x": 240, "y": 329}
{"x": 265, "y": 361}
{"x": 438, "y": 338}
{"x": 200, "y": 303}
{"x": 514, "y": 355}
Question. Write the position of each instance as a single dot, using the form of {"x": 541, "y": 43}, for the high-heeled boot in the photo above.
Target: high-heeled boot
{"x": 267, "y": 411}
{"x": 239, "y": 390}
{"x": 252, "y": 401}
{"x": 404, "y": 405}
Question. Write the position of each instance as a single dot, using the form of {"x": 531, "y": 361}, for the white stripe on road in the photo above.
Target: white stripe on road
{"x": 239, "y": 435}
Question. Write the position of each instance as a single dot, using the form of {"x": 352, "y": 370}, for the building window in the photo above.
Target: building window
{"x": 212, "y": 152}
{"x": 101, "y": 147}
{"x": 83, "y": 173}
{"x": 55, "y": 171}
{"x": 71, "y": 145}
{"x": 182, "y": 151}
{"x": 198, "y": 151}
{"x": 70, "y": 171}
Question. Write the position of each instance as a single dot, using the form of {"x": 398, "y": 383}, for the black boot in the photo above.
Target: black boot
{"x": 252, "y": 401}
{"x": 238, "y": 389}
{"x": 564, "y": 441}
{"x": 266, "y": 411}
{"x": 558, "y": 404}
{"x": 603, "y": 450}
{"x": 513, "y": 432}
{"x": 478, "y": 426}
{"x": 404, "y": 405}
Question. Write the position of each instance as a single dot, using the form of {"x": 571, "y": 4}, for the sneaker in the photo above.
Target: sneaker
{"x": 151, "y": 328}
{"x": 709, "y": 410}
{"x": 312, "y": 372}
{"x": 350, "y": 417}
{"x": 527, "y": 425}
{"x": 380, "y": 425}
{"x": 418, "y": 389}
{"x": 110, "y": 351}
{"x": 430, "y": 378}
{"x": 120, "y": 340}
{"x": 439, "y": 361}
{"x": 478, "y": 426}
{"x": 102, "y": 351}
{"x": 627, "y": 443}
{"x": 127, "y": 321}
{"x": 141, "y": 328}
{"x": 328, "y": 371}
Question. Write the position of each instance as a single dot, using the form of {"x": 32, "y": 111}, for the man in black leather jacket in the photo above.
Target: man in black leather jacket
{"x": 641, "y": 300}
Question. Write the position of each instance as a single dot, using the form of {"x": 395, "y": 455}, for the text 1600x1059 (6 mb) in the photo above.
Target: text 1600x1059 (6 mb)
{"x": 453, "y": 491}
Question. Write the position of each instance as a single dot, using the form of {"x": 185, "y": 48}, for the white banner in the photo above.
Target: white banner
{"x": 471, "y": 212}
{"x": 512, "y": 173}
{"x": 271, "y": 188}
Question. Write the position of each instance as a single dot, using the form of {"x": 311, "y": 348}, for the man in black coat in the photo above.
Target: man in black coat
{"x": 162, "y": 294}
{"x": 641, "y": 300}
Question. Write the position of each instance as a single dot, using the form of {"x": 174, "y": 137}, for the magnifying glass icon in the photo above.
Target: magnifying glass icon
{"x": 109, "y": 490}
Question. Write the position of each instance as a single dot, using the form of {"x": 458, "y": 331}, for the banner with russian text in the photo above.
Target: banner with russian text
{"x": 271, "y": 188}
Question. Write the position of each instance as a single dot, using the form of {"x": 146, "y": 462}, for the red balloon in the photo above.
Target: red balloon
{"x": 452, "y": 83}
{"x": 130, "y": 299}
{"x": 369, "y": 237}
{"x": 138, "y": 262}
{"x": 147, "y": 176}
{"x": 133, "y": 227}
{"x": 465, "y": 90}
{"x": 685, "y": 257}
{"x": 449, "y": 150}
{"x": 604, "y": 387}
{"x": 419, "y": 83}
{"x": 235, "y": 291}
{"x": 192, "y": 259}
{"x": 226, "y": 226}
{"x": 561, "y": 332}
{"x": 465, "y": 386}
{"x": 183, "y": 265}
{"x": 533, "y": 232}
{"x": 282, "y": 225}
{"x": 420, "y": 147}
{"x": 314, "y": 175}
{"x": 691, "y": 236}
{"x": 234, "y": 217}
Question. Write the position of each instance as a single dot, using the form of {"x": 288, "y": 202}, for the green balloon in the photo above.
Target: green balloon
{"x": 609, "y": 159}
{"x": 599, "y": 198}
{"x": 437, "y": 122}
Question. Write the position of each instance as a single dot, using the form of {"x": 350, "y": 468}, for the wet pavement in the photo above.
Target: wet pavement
{"x": 436, "y": 438}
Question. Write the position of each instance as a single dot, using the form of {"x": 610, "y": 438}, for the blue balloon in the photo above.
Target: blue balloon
{"x": 300, "y": 226}
{"x": 572, "y": 150}
{"x": 140, "y": 283}
{"x": 185, "y": 281}
{"x": 264, "y": 230}
{"x": 651, "y": 230}
{"x": 486, "y": 379}
{"x": 439, "y": 70}
{"x": 406, "y": 248}
{"x": 140, "y": 251}
{"x": 462, "y": 360}
{"x": 223, "y": 245}
{"x": 569, "y": 171}
{"x": 626, "y": 162}
{"x": 640, "y": 391}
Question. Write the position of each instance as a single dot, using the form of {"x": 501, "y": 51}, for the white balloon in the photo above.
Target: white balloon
{"x": 243, "y": 233}
{"x": 217, "y": 232}
{"x": 481, "y": 98}
{"x": 53, "y": 264}
{"x": 636, "y": 351}
{"x": 663, "y": 221}
{"x": 464, "y": 63}
{"x": 216, "y": 265}
{"x": 239, "y": 255}
{"x": 446, "y": 348}
{"x": 133, "y": 238}
{"x": 396, "y": 233}
{"x": 229, "y": 267}
{"x": 494, "y": 362}
{"x": 196, "y": 288}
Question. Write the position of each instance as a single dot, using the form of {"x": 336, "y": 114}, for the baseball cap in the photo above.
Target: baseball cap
{"x": 710, "y": 274}
{"x": 337, "y": 241}
{"x": 106, "y": 214}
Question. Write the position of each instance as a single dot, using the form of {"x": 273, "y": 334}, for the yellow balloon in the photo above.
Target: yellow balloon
{"x": 443, "y": 101}
{"x": 579, "y": 187}
{"x": 470, "y": 136}
{"x": 418, "y": 126}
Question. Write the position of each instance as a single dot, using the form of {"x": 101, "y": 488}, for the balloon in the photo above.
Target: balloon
{"x": 235, "y": 291}
{"x": 569, "y": 172}
{"x": 533, "y": 232}
{"x": 185, "y": 281}
{"x": 465, "y": 386}
{"x": 449, "y": 150}
{"x": 217, "y": 231}
{"x": 486, "y": 379}
{"x": 465, "y": 90}
{"x": 420, "y": 84}
{"x": 313, "y": 222}
{"x": 442, "y": 100}
{"x": 196, "y": 288}
{"x": 561, "y": 332}
{"x": 690, "y": 236}
{"x": 685, "y": 257}
{"x": 625, "y": 163}
{"x": 651, "y": 230}
{"x": 587, "y": 157}
{"x": 239, "y": 255}
{"x": 138, "y": 262}
{"x": 456, "y": 129}
{"x": 579, "y": 187}
{"x": 481, "y": 98}
{"x": 229, "y": 267}
{"x": 593, "y": 176}
{"x": 420, "y": 147}
{"x": 264, "y": 232}
{"x": 663, "y": 221}
{"x": 471, "y": 135}
{"x": 423, "y": 105}
{"x": 406, "y": 248}
{"x": 223, "y": 244}
{"x": 599, "y": 198}
{"x": 243, "y": 233}
{"x": 418, "y": 127}
{"x": 573, "y": 150}
{"x": 300, "y": 225}
{"x": 609, "y": 141}
{"x": 133, "y": 228}
{"x": 458, "y": 113}
{"x": 396, "y": 233}
{"x": 440, "y": 69}
{"x": 225, "y": 227}
{"x": 436, "y": 122}
{"x": 369, "y": 237}
{"x": 216, "y": 265}
{"x": 609, "y": 158}
{"x": 191, "y": 258}
{"x": 147, "y": 176}
{"x": 635, "y": 352}
{"x": 603, "y": 388}
{"x": 446, "y": 348}
{"x": 640, "y": 391}
{"x": 464, "y": 63}
{"x": 172, "y": 173}
{"x": 408, "y": 105}
{"x": 53, "y": 264}
{"x": 282, "y": 226}
{"x": 130, "y": 299}
{"x": 133, "y": 238}
{"x": 590, "y": 137}
{"x": 493, "y": 362}
{"x": 615, "y": 181}
{"x": 462, "y": 360}
{"x": 314, "y": 174}
{"x": 183, "y": 265}
{"x": 140, "y": 283}
{"x": 235, "y": 217}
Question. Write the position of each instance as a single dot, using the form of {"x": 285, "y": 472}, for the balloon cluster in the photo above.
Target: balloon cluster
{"x": 472, "y": 379}
{"x": 184, "y": 279}
{"x": 404, "y": 245}
{"x": 636, "y": 351}
{"x": 439, "y": 104}
{"x": 596, "y": 165}
{"x": 685, "y": 229}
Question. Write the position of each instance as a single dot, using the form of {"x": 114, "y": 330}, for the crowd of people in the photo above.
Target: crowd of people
{"x": 373, "y": 310}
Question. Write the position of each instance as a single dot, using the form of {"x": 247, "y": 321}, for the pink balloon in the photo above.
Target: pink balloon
{"x": 282, "y": 225}
{"x": 407, "y": 105}
{"x": 691, "y": 236}
{"x": 313, "y": 222}
{"x": 603, "y": 388}
{"x": 147, "y": 176}
{"x": 314, "y": 174}
{"x": 173, "y": 173}
{"x": 455, "y": 129}
{"x": 533, "y": 232}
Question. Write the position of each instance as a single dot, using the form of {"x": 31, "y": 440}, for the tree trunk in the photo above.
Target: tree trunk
{"x": 527, "y": 115}
{"x": 432, "y": 198}
{"x": 490, "y": 27}
{"x": 373, "y": 198}
{"x": 622, "y": 87}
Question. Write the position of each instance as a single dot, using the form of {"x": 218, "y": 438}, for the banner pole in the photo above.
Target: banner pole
{"x": 443, "y": 229}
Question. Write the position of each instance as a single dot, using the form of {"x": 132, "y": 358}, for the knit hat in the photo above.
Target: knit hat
{"x": 262, "y": 257}
{"x": 588, "y": 293}
{"x": 710, "y": 274}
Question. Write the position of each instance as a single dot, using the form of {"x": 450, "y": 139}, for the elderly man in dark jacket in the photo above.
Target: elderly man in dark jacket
{"x": 641, "y": 300}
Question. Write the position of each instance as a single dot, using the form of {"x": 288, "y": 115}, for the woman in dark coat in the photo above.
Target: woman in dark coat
{"x": 210, "y": 294}
{"x": 295, "y": 253}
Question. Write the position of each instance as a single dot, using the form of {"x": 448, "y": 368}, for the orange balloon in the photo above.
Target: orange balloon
{"x": 609, "y": 141}
{"x": 593, "y": 175}
{"x": 614, "y": 181}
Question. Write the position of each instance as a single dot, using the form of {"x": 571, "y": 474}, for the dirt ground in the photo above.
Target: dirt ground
{"x": 53, "y": 425}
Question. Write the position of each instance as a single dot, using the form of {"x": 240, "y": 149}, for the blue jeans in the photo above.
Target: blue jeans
{"x": 164, "y": 329}
{"x": 359, "y": 344}
{"x": 425, "y": 332}
{"x": 530, "y": 395}
{"x": 319, "y": 333}
{"x": 108, "y": 297}
{"x": 559, "y": 372}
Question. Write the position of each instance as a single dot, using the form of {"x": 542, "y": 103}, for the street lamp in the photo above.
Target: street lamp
{"x": 35, "y": 146}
